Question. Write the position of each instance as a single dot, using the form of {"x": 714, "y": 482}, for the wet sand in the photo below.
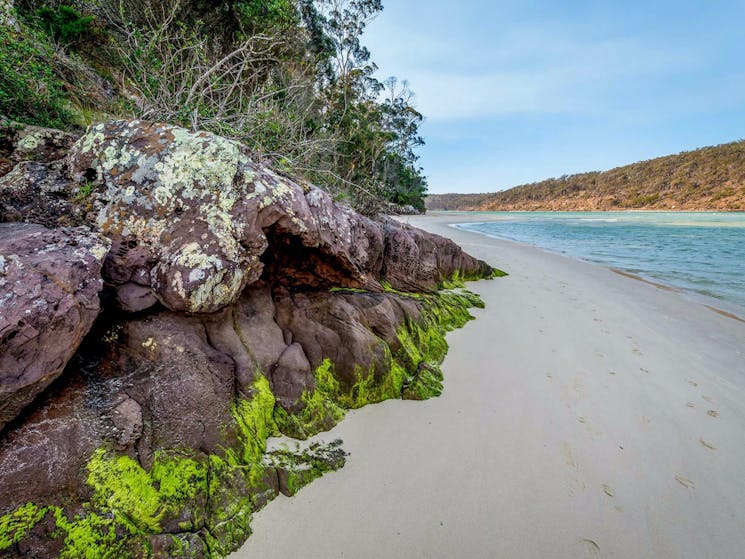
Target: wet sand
{"x": 585, "y": 414}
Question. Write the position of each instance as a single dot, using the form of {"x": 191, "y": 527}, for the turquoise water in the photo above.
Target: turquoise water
{"x": 698, "y": 252}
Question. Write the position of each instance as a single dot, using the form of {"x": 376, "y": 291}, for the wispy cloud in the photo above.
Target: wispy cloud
{"x": 516, "y": 91}
{"x": 534, "y": 70}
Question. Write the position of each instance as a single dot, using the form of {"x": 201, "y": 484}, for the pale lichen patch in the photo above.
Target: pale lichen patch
{"x": 29, "y": 142}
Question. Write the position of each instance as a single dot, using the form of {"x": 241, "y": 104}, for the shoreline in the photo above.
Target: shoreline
{"x": 719, "y": 305}
{"x": 584, "y": 415}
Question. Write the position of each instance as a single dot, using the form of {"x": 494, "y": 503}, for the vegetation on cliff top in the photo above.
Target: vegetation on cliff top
{"x": 711, "y": 178}
{"x": 289, "y": 78}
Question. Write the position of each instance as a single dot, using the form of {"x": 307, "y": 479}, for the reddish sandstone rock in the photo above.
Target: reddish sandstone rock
{"x": 205, "y": 221}
{"x": 33, "y": 185}
{"x": 227, "y": 288}
{"x": 49, "y": 285}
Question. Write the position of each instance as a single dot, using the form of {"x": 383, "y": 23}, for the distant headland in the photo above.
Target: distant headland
{"x": 710, "y": 178}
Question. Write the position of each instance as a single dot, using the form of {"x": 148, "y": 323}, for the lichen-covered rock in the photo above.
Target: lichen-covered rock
{"x": 39, "y": 193}
{"x": 24, "y": 142}
{"x": 237, "y": 305}
{"x": 49, "y": 285}
{"x": 7, "y": 14}
{"x": 191, "y": 201}
{"x": 33, "y": 182}
{"x": 205, "y": 221}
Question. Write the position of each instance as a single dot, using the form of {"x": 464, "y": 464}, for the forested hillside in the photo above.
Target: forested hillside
{"x": 711, "y": 178}
{"x": 289, "y": 78}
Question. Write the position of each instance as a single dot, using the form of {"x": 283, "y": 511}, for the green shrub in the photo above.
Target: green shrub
{"x": 65, "y": 24}
{"x": 30, "y": 89}
{"x": 258, "y": 15}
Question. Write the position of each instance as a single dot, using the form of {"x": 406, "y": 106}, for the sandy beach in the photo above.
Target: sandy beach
{"x": 585, "y": 414}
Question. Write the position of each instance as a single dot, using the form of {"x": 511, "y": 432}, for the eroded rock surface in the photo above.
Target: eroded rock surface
{"x": 237, "y": 305}
{"x": 199, "y": 214}
{"x": 33, "y": 182}
{"x": 49, "y": 285}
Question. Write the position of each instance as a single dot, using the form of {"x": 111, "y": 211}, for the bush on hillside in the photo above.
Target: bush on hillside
{"x": 30, "y": 89}
{"x": 65, "y": 24}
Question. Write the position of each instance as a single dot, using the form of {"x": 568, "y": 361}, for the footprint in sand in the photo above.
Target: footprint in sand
{"x": 608, "y": 490}
{"x": 713, "y": 413}
{"x": 684, "y": 481}
{"x": 591, "y": 547}
{"x": 636, "y": 351}
{"x": 691, "y": 405}
{"x": 566, "y": 452}
{"x": 692, "y": 383}
{"x": 708, "y": 399}
{"x": 707, "y": 444}
{"x": 612, "y": 372}
{"x": 576, "y": 487}
{"x": 643, "y": 370}
{"x": 588, "y": 426}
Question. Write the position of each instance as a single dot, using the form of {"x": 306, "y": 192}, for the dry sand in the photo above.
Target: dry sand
{"x": 585, "y": 414}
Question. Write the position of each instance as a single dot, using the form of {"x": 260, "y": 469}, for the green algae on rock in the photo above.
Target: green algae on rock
{"x": 211, "y": 498}
{"x": 130, "y": 505}
{"x": 237, "y": 306}
{"x": 413, "y": 366}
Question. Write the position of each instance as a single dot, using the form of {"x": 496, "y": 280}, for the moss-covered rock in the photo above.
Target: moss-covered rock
{"x": 237, "y": 306}
{"x": 408, "y": 367}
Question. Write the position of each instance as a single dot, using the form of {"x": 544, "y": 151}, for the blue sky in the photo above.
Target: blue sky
{"x": 518, "y": 91}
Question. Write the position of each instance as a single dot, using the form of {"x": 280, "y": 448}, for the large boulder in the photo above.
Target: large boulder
{"x": 49, "y": 285}
{"x": 25, "y": 142}
{"x": 189, "y": 203}
{"x": 355, "y": 331}
{"x": 194, "y": 221}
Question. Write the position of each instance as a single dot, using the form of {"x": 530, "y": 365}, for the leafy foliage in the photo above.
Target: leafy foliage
{"x": 65, "y": 23}
{"x": 30, "y": 89}
{"x": 258, "y": 15}
{"x": 289, "y": 78}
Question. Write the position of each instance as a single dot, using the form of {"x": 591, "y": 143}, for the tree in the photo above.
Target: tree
{"x": 292, "y": 79}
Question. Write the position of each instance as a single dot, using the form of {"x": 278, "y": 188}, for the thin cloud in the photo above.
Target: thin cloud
{"x": 571, "y": 78}
{"x": 514, "y": 91}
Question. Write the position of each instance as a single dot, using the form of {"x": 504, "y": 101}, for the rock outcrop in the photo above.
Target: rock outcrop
{"x": 49, "y": 285}
{"x": 7, "y": 15}
{"x": 34, "y": 186}
{"x": 237, "y": 305}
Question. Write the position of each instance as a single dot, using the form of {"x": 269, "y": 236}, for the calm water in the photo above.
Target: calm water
{"x": 698, "y": 252}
